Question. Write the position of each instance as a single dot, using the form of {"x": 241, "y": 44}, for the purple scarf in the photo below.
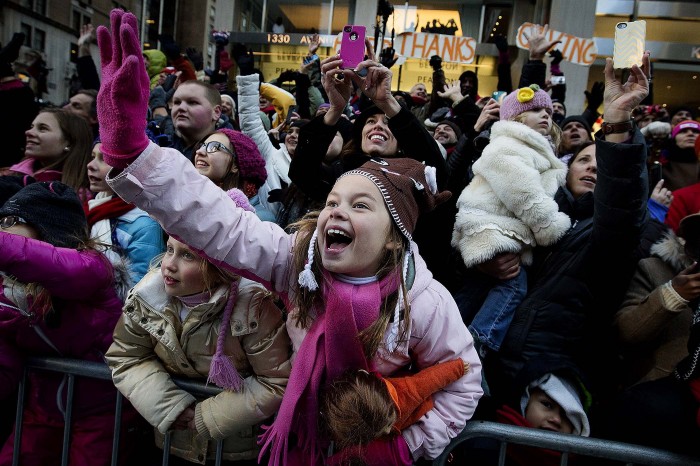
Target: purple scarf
{"x": 329, "y": 349}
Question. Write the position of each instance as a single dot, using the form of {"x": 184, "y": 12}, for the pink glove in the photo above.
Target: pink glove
{"x": 122, "y": 103}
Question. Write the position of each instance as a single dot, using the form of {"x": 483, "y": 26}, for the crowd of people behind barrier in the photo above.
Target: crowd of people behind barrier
{"x": 361, "y": 270}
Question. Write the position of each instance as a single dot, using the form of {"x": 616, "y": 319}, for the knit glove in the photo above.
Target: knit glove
{"x": 244, "y": 58}
{"x": 122, "y": 103}
{"x": 557, "y": 57}
{"x": 595, "y": 95}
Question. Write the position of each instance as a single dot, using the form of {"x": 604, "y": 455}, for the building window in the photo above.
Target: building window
{"x": 27, "y": 30}
{"x": 40, "y": 7}
{"x": 26, "y": 3}
{"x": 39, "y": 42}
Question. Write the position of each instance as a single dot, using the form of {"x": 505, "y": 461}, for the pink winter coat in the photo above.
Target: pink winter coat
{"x": 163, "y": 183}
{"x": 86, "y": 312}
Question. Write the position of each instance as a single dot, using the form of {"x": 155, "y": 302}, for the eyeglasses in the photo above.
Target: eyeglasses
{"x": 213, "y": 146}
{"x": 10, "y": 221}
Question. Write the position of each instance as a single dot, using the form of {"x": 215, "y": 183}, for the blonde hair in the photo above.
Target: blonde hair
{"x": 554, "y": 131}
{"x": 392, "y": 262}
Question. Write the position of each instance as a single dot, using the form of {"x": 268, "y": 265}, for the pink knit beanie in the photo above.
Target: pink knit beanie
{"x": 250, "y": 163}
{"x": 524, "y": 99}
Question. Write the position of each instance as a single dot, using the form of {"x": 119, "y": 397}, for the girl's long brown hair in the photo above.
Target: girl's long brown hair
{"x": 305, "y": 301}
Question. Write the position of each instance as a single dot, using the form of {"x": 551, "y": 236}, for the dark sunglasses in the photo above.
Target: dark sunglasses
{"x": 10, "y": 221}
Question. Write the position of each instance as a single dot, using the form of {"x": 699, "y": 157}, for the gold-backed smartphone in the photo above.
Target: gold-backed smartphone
{"x": 629, "y": 44}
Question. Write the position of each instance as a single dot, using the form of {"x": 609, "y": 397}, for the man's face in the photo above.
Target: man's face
{"x": 445, "y": 135}
{"x": 419, "y": 90}
{"x": 679, "y": 116}
{"x": 193, "y": 115}
{"x": 573, "y": 135}
{"x": 466, "y": 85}
{"x": 558, "y": 108}
{"x": 80, "y": 104}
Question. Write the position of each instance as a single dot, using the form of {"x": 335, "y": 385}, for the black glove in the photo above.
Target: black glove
{"x": 595, "y": 95}
{"x": 10, "y": 53}
{"x": 557, "y": 57}
{"x": 244, "y": 59}
{"x": 287, "y": 76}
{"x": 386, "y": 57}
{"x": 436, "y": 62}
{"x": 169, "y": 82}
{"x": 169, "y": 47}
{"x": 501, "y": 43}
{"x": 196, "y": 58}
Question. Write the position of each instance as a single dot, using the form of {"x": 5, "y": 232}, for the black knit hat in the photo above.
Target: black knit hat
{"x": 10, "y": 185}
{"x": 10, "y": 53}
{"x": 578, "y": 119}
{"x": 53, "y": 209}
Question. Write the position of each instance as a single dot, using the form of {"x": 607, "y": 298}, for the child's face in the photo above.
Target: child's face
{"x": 215, "y": 165}
{"x": 539, "y": 119}
{"x": 353, "y": 228}
{"x": 545, "y": 413}
{"x": 97, "y": 170}
{"x": 182, "y": 270}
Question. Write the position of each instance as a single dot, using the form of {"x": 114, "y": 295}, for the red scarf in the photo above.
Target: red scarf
{"x": 330, "y": 348}
{"x": 113, "y": 208}
{"x": 523, "y": 455}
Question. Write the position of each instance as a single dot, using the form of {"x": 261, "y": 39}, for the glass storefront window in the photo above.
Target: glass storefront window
{"x": 307, "y": 16}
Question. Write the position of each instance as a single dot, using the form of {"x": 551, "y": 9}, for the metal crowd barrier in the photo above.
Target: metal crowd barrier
{"x": 501, "y": 433}
{"x": 624, "y": 453}
{"x": 78, "y": 368}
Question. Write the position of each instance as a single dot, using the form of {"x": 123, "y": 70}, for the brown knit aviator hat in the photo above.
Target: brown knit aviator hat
{"x": 408, "y": 187}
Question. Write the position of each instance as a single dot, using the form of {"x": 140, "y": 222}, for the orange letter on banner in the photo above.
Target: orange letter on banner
{"x": 434, "y": 47}
{"x": 448, "y": 48}
{"x": 416, "y": 38}
{"x": 588, "y": 57}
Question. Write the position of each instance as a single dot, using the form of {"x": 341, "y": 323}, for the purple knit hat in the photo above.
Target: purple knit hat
{"x": 251, "y": 165}
{"x": 524, "y": 99}
{"x": 222, "y": 372}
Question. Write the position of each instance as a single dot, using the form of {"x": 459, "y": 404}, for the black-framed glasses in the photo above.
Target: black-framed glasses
{"x": 213, "y": 146}
{"x": 10, "y": 221}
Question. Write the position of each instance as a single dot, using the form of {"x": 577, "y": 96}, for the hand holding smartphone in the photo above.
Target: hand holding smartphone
{"x": 629, "y": 44}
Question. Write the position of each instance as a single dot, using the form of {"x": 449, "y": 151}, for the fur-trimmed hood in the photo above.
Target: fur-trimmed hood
{"x": 671, "y": 249}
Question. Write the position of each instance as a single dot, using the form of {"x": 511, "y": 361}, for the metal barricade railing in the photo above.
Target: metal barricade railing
{"x": 501, "y": 433}
{"x": 73, "y": 368}
{"x": 504, "y": 434}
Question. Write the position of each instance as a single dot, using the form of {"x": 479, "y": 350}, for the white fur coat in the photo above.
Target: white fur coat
{"x": 509, "y": 205}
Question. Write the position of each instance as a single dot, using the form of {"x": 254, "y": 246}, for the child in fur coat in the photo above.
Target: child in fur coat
{"x": 509, "y": 205}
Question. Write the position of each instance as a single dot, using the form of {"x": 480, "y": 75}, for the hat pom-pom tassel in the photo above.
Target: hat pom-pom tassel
{"x": 307, "y": 279}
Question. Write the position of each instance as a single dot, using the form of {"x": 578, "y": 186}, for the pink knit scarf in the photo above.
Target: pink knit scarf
{"x": 329, "y": 349}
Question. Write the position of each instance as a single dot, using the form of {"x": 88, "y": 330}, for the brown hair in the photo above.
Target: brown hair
{"x": 356, "y": 408}
{"x": 578, "y": 151}
{"x": 554, "y": 131}
{"x": 231, "y": 179}
{"x": 211, "y": 93}
{"x": 78, "y": 135}
{"x": 304, "y": 300}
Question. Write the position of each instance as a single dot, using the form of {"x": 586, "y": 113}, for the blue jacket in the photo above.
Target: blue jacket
{"x": 140, "y": 239}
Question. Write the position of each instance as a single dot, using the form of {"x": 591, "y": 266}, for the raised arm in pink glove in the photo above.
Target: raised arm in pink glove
{"x": 122, "y": 103}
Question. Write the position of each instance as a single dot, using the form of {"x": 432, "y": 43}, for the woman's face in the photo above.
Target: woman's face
{"x": 685, "y": 139}
{"x": 97, "y": 171}
{"x": 45, "y": 140}
{"x": 582, "y": 174}
{"x": 377, "y": 138}
{"x": 539, "y": 119}
{"x": 218, "y": 164}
